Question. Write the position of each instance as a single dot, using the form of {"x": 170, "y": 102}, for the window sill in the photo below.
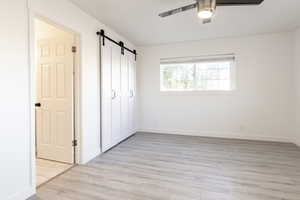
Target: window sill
{"x": 195, "y": 93}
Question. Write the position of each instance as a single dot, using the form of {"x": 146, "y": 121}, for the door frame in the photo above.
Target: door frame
{"x": 33, "y": 83}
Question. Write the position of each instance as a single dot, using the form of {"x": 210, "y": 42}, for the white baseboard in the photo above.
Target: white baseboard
{"x": 228, "y": 135}
{"x": 88, "y": 158}
{"x": 25, "y": 194}
{"x": 298, "y": 143}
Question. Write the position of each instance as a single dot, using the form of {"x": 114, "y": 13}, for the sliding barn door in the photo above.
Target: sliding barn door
{"x": 132, "y": 94}
{"x": 54, "y": 111}
{"x": 106, "y": 96}
{"x": 116, "y": 95}
{"x": 118, "y": 92}
{"x": 125, "y": 95}
{"x": 111, "y": 96}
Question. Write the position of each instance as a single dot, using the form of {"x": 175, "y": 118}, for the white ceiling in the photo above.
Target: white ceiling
{"x": 138, "y": 19}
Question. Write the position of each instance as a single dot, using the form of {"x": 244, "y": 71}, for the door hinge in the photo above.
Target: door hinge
{"x": 74, "y": 143}
{"x": 74, "y": 49}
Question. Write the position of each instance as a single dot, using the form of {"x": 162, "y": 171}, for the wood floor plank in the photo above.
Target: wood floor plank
{"x": 171, "y": 167}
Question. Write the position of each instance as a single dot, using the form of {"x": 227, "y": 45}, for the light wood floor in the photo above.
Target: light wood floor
{"x": 46, "y": 170}
{"x": 169, "y": 167}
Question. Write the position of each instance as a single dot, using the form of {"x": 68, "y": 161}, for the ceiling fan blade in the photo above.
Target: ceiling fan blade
{"x": 238, "y": 2}
{"x": 178, "y": 10}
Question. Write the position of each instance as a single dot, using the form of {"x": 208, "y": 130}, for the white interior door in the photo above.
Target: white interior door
{"x": 125, "y": 95}
{"x": 116, "y": 95}
{"x": 106, "y": 96}
{"x": 54, "y": 118}
{"x": 132, "y": 94}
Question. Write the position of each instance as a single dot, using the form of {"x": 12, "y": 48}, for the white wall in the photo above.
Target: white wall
{"x": 14, "y": 102}
{"x": 16, "y": 177}
{"x": 259, "y": 109}
{"x": 65, "y": 13}
{"x": 44, "y": 30}
{"x": 297, "y": 83}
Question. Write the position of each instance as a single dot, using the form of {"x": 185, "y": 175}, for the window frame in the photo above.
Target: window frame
{"x": 203, "y": 59}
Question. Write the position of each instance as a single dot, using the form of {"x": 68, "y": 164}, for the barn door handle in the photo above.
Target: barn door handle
{"x": 114, "y": 95}
{"x": 38, "y": 105}
{"x": 131, "y": 93}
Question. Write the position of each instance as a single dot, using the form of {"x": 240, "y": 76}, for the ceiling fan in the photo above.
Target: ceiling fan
{"x": 206, "y": 8}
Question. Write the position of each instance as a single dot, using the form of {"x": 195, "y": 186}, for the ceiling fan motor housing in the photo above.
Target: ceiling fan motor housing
{"x": 206, "y": 5}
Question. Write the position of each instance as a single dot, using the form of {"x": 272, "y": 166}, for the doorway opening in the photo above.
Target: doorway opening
{"x": 55, "y": 138}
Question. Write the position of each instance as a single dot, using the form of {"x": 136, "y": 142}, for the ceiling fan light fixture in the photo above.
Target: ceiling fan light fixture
{"x": 206, "y": 8}
{"x": 205, "y": 14}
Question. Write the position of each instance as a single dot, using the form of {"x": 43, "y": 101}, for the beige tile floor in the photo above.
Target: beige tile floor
{"x": 46, "y": 170}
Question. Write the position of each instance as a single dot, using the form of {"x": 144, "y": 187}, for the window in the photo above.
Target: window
{"x": 207, "y": 74}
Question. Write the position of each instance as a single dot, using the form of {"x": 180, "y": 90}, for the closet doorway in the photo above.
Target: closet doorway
{"x": 55, "y": 56}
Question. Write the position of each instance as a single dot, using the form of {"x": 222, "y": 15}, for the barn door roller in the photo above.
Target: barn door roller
{"x": 102, "y": 35}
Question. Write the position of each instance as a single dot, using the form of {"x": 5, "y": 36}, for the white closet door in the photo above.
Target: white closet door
{"x": 135, "y": 124}
{"x": 106, "y": 96}
{"x": 124, "y": 96}
{"x": 116, "y": 95}
{"x": 132, "y": 92}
